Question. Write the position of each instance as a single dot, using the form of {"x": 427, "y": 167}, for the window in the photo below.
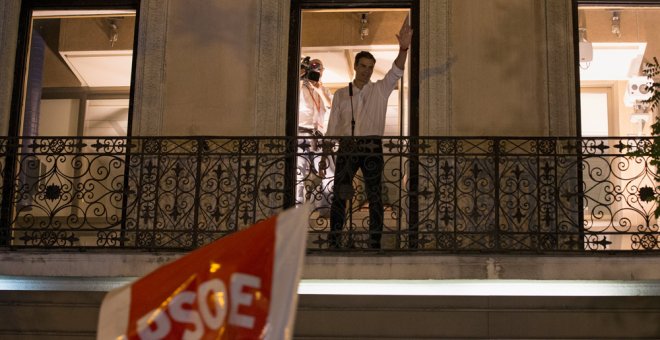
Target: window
{"x": 73, "y": 78}
{"x": 616, "y": 38}
{"x": 334, "y": 33}
{"x": 614, "y": 42}
{"x": 76, "y": 57}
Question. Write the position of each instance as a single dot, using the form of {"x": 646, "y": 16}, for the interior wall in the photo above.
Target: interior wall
{"x": 59, "y": 117}
{"x": 499, "y": 72}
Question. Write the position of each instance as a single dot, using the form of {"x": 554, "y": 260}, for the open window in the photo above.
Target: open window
{"x": 616, "y": 39}
{"x": 334, "y": 33}
{"x": 73, "y": 80}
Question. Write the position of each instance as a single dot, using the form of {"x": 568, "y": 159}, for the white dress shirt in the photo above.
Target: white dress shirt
{"x": 369, "y": 106}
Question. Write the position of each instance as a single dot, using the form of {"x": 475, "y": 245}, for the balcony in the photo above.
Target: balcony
{"x": 452, "y": 195}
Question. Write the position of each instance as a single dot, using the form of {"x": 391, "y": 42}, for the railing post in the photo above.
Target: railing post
{"x": 413, "y": 189}
{"x": 497, "y": 199}
{"x": 11, "y": 150}
{"x": 290, "y": 171}
{"x": 201, "y": 146}
{"x": 126, "y": 191}
{"x": 580, "y": 193}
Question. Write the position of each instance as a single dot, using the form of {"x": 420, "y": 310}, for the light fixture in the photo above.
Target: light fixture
{"x": 616, "y": 23}
{"x": 114, "y": 30}
{"x": 586, "y": 49}
{"x": 364, "y": 25}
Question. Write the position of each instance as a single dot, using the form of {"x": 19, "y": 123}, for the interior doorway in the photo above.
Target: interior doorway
{"x": 73, "y": 80}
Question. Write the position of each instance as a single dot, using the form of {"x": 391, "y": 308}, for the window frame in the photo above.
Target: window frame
{"x": 297, "y": 6}
{"x": 19, "y": 82}
{"x": 293, "y": 65}
{"x": 22, "y": 50}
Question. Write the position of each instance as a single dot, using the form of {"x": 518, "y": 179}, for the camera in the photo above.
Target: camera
{"x": 310, "y": 70}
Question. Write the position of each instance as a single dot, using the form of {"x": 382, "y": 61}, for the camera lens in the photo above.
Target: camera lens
{"x": 313, "y": 75}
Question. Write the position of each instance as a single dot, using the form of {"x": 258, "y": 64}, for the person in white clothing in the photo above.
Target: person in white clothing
{"x": 314, "y": 102}
{"x": 315, "y": 98}
{"x": 358, "y": 115}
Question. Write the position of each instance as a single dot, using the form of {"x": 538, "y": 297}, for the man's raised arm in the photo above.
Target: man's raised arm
{"x": 404, "y": 37}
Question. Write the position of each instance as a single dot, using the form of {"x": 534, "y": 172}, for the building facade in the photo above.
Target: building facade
{"x": 488, "y": 178}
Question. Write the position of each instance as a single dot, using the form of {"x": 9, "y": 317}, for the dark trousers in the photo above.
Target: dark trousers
{"x": 365, "y": 154}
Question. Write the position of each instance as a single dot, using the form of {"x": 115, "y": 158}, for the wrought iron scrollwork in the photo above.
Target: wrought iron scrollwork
{"x": 441, "y": 194}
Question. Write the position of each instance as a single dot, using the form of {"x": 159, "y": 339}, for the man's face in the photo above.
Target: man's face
{"x": 363, "y": 69}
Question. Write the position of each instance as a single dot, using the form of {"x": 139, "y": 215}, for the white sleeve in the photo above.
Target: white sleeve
{"x": 387, "y": 84}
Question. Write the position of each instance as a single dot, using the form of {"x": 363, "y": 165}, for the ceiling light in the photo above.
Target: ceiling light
{"x": 364, "y": 26}
{"x": 616, "y": 24}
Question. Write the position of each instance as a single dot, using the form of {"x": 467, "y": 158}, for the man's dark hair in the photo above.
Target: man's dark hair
{"x": 363, "y": 54}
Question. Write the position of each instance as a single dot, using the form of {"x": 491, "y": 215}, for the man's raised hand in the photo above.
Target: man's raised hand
{"x": 405, "y": 35}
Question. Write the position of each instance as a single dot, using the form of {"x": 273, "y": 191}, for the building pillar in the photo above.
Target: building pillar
{"x": 149, "y": 90}
{"x": 434, "y": 68}
{"x": 271, "y": 61}
{"x": 9, "y": 15}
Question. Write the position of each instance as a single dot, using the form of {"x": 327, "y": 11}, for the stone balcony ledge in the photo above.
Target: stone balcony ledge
{"x": 356, "y": 266}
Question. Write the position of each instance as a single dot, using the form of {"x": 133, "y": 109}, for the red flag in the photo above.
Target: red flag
{"x": 243, "y": 286}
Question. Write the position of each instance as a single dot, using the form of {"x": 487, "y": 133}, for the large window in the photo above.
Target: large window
{"x": 73, "y": 81}
{"x": 327, "y": 37}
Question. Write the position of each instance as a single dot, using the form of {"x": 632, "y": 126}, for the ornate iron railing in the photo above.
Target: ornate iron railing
{"x": 442, "y": 194}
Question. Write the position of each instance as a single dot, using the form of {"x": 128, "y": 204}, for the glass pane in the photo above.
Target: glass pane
{"x": 74, "y": 55}
{"x": 68, "y": 189}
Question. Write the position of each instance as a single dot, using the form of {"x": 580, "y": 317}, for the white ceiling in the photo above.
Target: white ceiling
{"x": 613, "y": 61}
{"x": 100, "y": 68}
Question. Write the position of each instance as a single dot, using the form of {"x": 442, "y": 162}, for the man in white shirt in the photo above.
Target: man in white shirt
{"x": 358, "y": 111}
